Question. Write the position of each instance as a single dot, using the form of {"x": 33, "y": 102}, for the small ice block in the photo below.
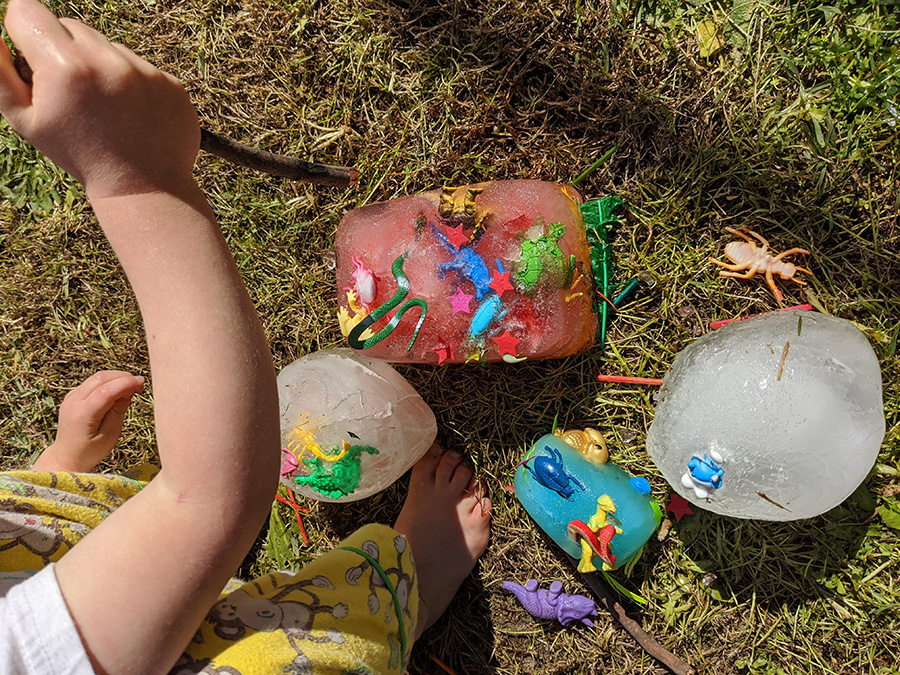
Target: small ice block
{"x": 484, "y": 272}
{"x": 576, "y": 499}
{"x": 350, "y": 426}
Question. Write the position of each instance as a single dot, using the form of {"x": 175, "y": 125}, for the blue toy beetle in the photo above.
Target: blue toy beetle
{"x": 549, "y": 472}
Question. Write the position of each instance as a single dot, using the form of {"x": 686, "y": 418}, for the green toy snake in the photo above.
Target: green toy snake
{"x": 379, "y": 312}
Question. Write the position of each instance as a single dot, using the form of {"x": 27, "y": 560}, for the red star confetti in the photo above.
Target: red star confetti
{"x": 443, "y": 352}
{"x": 456, "y": 236}
{"x": 500, "y": 283}
{"x": 507, "y": 343}
{"x": 460, "y": 301}
{"x": 679, "y": 506}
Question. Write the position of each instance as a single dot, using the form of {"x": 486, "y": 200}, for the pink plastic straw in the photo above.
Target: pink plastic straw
{"x": 623, "y": 379}
{"x": 719, "y": 324}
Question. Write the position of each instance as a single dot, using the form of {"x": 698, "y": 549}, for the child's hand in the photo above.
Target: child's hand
{"x": 90, "y": 422}
{"x": 113, "y": 121}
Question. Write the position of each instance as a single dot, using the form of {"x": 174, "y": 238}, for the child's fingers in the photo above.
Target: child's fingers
{"x": 38, "y": 36}
{"x": 94, "y": 45}
{"x": 114, "y": 399}
{"x": 14, "y": 92}
{"x": 105, "y": 407}
{"x": 96, "y": 42}
{"x": 112, "y": 392}
{"x": 102, "y": 377}
{"x": 36, "y": 32}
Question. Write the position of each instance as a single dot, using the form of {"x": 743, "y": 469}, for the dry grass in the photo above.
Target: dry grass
{"x": 789, "y": 131}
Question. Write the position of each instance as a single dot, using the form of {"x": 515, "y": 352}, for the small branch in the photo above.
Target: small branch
{"x": 787, "y": 346}
{"x": 250, "y": 157}
{"x": 645, "y": 640}
{"x": 277, "y": 165}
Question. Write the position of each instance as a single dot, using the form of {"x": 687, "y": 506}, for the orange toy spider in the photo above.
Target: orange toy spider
{"x": 746, "y": 255}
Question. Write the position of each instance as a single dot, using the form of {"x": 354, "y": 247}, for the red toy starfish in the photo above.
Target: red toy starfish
{"x": 679, "y": 506}
{"x": 506, "y": 343}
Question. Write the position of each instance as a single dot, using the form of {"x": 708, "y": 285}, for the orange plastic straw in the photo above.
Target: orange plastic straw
{"x": 441, "y": 664}
{"x": 297, "y": 509}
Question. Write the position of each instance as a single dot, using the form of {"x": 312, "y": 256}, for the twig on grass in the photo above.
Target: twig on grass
{"x": 250, "y": 157}
{"x": 277, "y": 165}
{"x": 645, "y": 640}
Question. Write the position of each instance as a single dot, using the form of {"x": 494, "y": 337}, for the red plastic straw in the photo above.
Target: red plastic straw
{"x": 719, "y": 324}
{"x": 623, "y": 379}
{"x": 441, "y": 664}
{"x": 297, "y": 510}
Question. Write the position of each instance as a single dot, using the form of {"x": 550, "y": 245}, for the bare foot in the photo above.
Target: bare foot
{"x": 447, "y": 527}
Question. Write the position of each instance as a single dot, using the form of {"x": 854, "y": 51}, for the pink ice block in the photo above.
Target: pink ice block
{"x": 484, "y": 272}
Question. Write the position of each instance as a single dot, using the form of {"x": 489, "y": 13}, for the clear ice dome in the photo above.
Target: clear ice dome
{"x": 781, "y": 414}
{"x": 334, "y": 399}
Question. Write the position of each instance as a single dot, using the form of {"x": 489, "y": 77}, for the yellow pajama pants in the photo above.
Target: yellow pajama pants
{"x": 352, "y": 611}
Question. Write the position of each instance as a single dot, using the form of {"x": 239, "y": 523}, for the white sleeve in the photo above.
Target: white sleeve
{"x": 37, "y": 634}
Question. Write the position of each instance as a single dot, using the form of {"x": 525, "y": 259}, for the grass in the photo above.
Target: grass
{"x": 790, "y": 127}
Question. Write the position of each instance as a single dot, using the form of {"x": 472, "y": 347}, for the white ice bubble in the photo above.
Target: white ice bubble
{"x": 789, "y": 402}
{"x": 352, "y": 426}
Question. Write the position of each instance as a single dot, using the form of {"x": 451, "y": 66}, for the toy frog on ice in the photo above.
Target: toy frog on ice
{"x": 485, "y": 272}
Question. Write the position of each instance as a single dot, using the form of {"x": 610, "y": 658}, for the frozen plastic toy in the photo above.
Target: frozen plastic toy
{"x": 593, "y": 510}
{"x": 778, "y": 417}
{"x": 484, "y": 272}
{"x": 349, "y": 426}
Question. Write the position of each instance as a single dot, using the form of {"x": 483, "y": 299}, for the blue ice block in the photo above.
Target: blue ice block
{"x": 572, "y": 498}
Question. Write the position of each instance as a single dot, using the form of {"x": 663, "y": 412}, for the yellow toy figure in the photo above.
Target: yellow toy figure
{"x": 598, "y": 523}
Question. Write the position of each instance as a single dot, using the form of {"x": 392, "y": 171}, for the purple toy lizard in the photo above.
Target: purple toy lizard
{"x": 553, "y": 603}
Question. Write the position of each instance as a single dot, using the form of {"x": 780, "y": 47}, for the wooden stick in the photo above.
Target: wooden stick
{"x": 277, "y": 165}
{"x": 645, "y": 640}
{"x": 250, "y": 157}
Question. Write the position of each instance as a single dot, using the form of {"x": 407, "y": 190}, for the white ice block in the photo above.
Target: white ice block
{"x": 780, "y": 417}
{"x": 350, "y": 426}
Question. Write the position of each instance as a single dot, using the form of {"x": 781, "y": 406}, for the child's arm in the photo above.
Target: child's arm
{"x": 139, "y": 585}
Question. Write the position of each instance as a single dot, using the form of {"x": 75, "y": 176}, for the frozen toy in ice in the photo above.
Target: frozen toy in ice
{"x": 588, "y": 442}
{"x": 349, "y": 426}
{"x": 593, "y": 510}
{"x": 704, "y": 474}
{"x": 549, "y": 472}
{"x": 484, "y": 272}
{"x": 778, "y": 417}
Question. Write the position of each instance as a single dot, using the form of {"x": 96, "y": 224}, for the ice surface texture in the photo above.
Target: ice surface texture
{"x": 500, "y": 270}
{"x": 353, "y": 425}
{"x": 790, "y": 401}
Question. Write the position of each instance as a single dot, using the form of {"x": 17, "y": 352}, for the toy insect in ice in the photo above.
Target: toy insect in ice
{"x": 550, "y": 472}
